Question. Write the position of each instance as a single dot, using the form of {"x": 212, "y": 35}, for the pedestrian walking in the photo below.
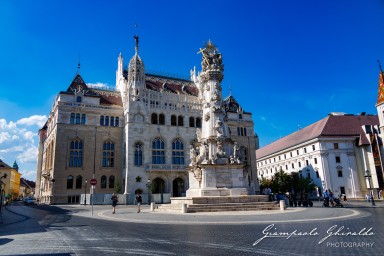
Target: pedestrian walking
{"x": 114, "y": 202}
{"x": 331, "y": 198}
{"x": 138, "y": 201}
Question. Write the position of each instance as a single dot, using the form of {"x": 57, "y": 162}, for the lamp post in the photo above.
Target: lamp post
{"x": 368, "y": 176}
{"x": 85, "y": 193}
{"x": 149, "y": 195}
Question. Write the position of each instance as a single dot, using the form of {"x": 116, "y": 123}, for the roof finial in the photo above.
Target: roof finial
{"x": 381, "y": 70}
{"x": 137, "y": 43}
{"x": 230, "y": 90}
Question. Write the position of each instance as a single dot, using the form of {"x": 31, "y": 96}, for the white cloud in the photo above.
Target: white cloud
{"x": 28, "y": 155}
{"x": 99, "y": 85}
{"x": 5, "y": 126}
{"x": 28, "y": 174}
{"x": 4, "y": 136}
{"x": 33, "y": 120}
{"x": 29, "y": 135}
{"x": 12, "y": 149}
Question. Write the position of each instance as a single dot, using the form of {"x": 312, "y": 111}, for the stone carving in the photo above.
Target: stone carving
{"x": 193, "y": 155}
{"x": 219, "y": 128}
{"x": 236, "y": 153}
{"x": 207, "y": 117}
{"x": 216, "y": 97}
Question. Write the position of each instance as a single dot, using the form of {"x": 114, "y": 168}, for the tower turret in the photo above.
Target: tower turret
{"x": 136, "y": 73}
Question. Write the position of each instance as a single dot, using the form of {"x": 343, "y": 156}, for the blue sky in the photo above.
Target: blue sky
{"x": 290, "y": 63}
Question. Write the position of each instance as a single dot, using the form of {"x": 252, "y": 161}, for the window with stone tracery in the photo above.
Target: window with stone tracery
{"x": 138, "y": 154}
{"x": 177, "y": 152}
{"x": 158, "y": 151}
{"x": 76, "y": 153}
{"x": 108, "y": 154}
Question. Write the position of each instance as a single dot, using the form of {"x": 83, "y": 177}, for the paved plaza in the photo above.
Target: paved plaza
{"x": 74, "y": 230}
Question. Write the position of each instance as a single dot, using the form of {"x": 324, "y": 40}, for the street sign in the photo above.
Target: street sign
{"x": 93, "y": 182}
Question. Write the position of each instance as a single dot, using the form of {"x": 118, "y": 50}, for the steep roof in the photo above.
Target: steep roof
{"x": 4, "y": 165}
{"x": 330, "y": 126}
{"x": 170, "y": 84}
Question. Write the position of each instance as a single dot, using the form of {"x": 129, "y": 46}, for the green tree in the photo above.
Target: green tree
{"x": 117, "y": 188}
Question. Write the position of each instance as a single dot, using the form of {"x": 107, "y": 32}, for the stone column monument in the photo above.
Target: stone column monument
{"x": 215, "y": 168}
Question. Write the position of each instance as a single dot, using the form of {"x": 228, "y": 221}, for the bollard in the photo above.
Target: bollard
{"x": 184, "y": 208}
{"x": 282, "y": 205}
{"x": 152, "y": 206}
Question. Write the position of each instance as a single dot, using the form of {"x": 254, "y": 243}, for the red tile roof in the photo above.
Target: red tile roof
{"x": 330, "y": 126}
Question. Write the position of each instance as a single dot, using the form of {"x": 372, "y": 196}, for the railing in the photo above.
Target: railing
{"x": 165, "y": 167}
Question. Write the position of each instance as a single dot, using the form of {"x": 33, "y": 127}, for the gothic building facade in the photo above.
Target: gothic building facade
{"x": 133, "y": 138}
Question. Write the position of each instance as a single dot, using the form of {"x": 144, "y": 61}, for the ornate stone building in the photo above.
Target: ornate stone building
{"x": 135, "y": 137}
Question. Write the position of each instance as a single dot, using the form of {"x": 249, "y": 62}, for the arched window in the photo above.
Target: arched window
{"x": 108, "y": 154}
{"x": 78, "y": 99}
{"x": 173, "y": 120}
{"x": 117, "y": 121}
{"x": 72, "y": 118}
{"x": 102, "y": 120}
{"x": 138, "y": 154}
{"x": 83, "y": 119}
{"x": 198, "y": 122}
{"x": 191, "y": 121}
{"x": 161, "y": 119}
{"x": 77, "y": 118}
{"x": 177, "y": 152}
{"x": 79, "y": 181}
{"x": 103, "y": 182}
{"x": 158, "y": 152}
{"x": 245, "y": 131}
{"x": 70, "y": 182}
{"x": 180, "y": 121}
{"x": 111, "y": 181}
{"x": 76, "y": 153}
{"x": 107, "y": 121}
{"x": 154, "y": 118}
{"x": 112, "y": 121}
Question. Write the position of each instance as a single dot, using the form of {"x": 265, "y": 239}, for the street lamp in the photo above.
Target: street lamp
{"x": 368, "y": 176}
{"x": 85, "y": 193}
{"x": 149, "y": 196}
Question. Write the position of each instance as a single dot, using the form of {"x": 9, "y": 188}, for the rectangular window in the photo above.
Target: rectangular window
{"x": 300, "y": 164}
{"x": 286, "y": 167}
{"x": 83, "y": 119}
{"x": 107, "y": 121}
{"x": 337, "y": 159}
{"x": 112, "y": 121}
{"x": 317, "y": 174}
{"x": 339, "y": 173}
{"x": 297, "y": 152}
{"x": 336, "y": 145}
{"x": 117, "y": 121}
{"x": 290, "y": 154}
{"x": 293, "y": 166}
{"x": 315, "y": 159}
{"x": 313, "y": 147}
{"x": 305, "y": 150}
{"x": 72, "y": 118}
{"x": 307, "y": 162}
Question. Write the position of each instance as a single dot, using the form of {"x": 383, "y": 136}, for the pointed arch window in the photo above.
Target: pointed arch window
{"x": 198, "y": 122}
{"x": 70, "y": 182}
{"x": 76, "y": 153}
{"x": 111, "y": 181}
{"x": 177, "y": 152}
{"x": 102, "y": 120}
{"x": 191, "y": 121}
{"x": 78, "y": 99}
{"x": 108, "y": 154}
{"x": 138, "y": 154}
{"x": 180, "y": 121}
{"x": 112, "y": 121}
{"x": 103, "y": 182}
{"x": 82, "y": 118}
{"x": 107, "y": 121}
{"x": 161, "y": 119}
{"x": 154, "y": 118}
{"x": 173, "y": 120}
{"x": 79, "y": 181}
{"x": 158, "y": 151}
{"x": 117, "y": 121}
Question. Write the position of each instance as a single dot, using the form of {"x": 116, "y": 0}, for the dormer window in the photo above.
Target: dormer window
{"x": 79, "y": 99}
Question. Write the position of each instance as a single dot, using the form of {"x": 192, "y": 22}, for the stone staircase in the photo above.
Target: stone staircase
{"x": 218, "y": 204}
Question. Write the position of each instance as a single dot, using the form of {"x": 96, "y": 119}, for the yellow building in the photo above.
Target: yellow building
{"x": 10, "y": 180}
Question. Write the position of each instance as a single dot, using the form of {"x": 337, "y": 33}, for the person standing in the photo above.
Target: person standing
{"x": 138, "y": 201}
{"x": 114, "y": 202}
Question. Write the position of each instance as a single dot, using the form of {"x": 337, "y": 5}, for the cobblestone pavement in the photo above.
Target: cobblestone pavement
{"x": 356, "y": 229}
